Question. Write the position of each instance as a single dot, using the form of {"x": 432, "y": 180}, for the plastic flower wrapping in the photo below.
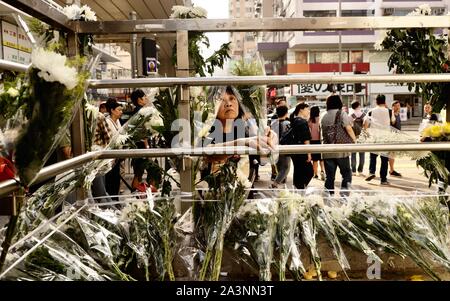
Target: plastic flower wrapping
{"x": 38, "y": 108}
{"x": 144, "y": 239}
{"x": 378, "y": 134}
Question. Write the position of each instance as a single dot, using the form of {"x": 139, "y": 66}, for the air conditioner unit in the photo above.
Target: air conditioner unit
{"x": 438, "y": 11}
{"x": 388, "y": 11}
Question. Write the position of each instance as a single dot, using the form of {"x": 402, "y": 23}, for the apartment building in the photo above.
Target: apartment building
{"x": 317, "y": 52}
{"x": 243, "y": 43}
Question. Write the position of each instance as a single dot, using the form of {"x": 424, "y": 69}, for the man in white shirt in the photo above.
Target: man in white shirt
{"x": 379, "y": 117}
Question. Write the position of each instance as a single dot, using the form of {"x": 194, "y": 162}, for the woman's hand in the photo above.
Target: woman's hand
{"x": 261, "y": 143}
{"x": 272, "y": 137}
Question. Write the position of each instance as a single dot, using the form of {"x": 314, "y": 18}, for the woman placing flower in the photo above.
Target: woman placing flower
{"x": 231, "y": 129}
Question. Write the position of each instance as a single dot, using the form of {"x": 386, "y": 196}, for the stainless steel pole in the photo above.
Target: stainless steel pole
{"x": 133, "y": 49}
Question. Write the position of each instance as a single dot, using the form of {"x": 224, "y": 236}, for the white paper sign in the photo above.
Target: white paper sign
{"x": 403, "y": 114}
{"x": 10, "y": 54}
{"x": 9, "y": 42}
{"x": 9, "y": 35}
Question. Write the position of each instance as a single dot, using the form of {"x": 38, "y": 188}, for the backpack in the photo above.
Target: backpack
{"x": 358, "y": 123}
{"x": 287, "y": 137}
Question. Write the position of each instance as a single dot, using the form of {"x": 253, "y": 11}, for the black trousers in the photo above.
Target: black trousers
{"x": 303, "y": 171}
{"x": 112, "y": 181}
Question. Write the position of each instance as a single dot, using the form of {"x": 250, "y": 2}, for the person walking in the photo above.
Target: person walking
{"x": 357, "y": 117}
{"x": 314, "y": 127}
{"x": 396, "y": 123}
{"x": 303, "y": 170}
{"x": 378, "y": 117}
{"x": 333, "y": 118}
{"x": 281, "y": 126}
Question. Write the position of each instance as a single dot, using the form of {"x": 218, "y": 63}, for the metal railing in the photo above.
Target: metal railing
{"x": 264, "y": 80}
{"x": 260, "y": 24}
{"x": 10, "y": 186}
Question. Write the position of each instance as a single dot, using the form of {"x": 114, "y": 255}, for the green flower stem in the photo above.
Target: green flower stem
{"x": 218, "y": 256}
{"x": 168, "y": 257}
{"x": 205, "y": 264}
{"x": 265, "y": 274}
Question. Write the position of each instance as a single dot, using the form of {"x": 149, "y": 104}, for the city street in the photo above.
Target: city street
{"x": 412, "y": 176}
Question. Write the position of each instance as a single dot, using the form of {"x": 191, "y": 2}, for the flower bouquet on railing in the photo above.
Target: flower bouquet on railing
{"x": 82, "y": 13}
{"x": 151, "y": 232}
{"x": 213, "y": 218}
{"x": 404, "y": 226}
{"x": 56, "y": 87}
{"x": 290, "y": 208}
{"x": 377, "y": 134}
{"x": 47, "y": 253}
{"x": 134, "y": 242}
{"x": 257, "y": 222}
{"x": 436, "y": 165}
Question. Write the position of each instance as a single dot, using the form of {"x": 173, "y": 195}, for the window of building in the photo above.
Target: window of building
{"x": 358, "y": 13}
{"x": 301, "y": 57}
{"x": 356, "y": 56}
{"x": 391, "y": 11}
{"x": 327, "y": 57}
{"x": 249, "y": 9}
{"x": 319, "y": 13}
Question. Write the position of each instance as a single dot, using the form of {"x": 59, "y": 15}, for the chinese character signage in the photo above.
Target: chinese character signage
{"x": 24, "y": 47}
{"x": 15, "y": 44}
{"x": 321, "y": 89}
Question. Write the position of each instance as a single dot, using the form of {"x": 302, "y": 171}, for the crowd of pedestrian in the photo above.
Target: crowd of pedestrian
{"x": 335, "y": 126}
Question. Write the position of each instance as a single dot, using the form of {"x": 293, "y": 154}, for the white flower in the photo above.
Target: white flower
{"x": 156, "y": 120}
{"x": 313, "y": 200}
{"x": 53, "y": 67}
{"x": 425, "y": 9}
{"x": 179, "y": 11}
{"x": 12, "y": 92}
{"x": 204, "y": 131}
{"x": 199, "y": 12}
{"x": 91, "y": 108}
{"x": 146, "y": 111}
{"x": 89, "y": 14}
{"x": 422, "y": 10}
{"x": 241, "y": 175}
{"x": 72, "y": 12}
{"x": 122, "y": 138}
{"x": 195, "y": 91}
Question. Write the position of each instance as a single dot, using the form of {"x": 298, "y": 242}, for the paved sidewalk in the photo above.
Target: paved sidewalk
{"x": 412, "y": 176}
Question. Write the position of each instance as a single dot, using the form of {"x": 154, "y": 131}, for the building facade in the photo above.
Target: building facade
{"x": 318, "y": 52}
{"x": 243, "y": 43}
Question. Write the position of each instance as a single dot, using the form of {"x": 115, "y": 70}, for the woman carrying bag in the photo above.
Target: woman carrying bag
{"x": 337, "y": 129}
